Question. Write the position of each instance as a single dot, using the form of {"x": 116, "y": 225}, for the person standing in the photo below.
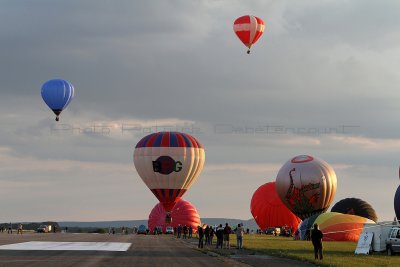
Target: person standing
{"x": 190, "y": 231}
{"x": 185, "y": 231}
{"x": 207, "y": 234}
{"x": 239, "y": 236}
{"x": 220, "y": 234}
{"x": 19, "y": 231}
{"x": 316, "y": 239}
{"x": 227, "y": 232}
{"x": 210, "y": 239}
{"x": 9, "y": 229}
{"x": 200, "y": 232}
{"x": 179, "y": 231}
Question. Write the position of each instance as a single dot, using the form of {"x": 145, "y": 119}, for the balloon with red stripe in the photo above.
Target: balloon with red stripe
{"x": 249, "y": 29}
{"x": 169, "y": 163}
{"x": 335, "y": 226}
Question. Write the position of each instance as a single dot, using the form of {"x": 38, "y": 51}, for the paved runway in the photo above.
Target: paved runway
{"x": 144, "y": 251}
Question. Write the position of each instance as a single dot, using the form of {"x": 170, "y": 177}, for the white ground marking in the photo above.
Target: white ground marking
{"x": 96, "y": 246}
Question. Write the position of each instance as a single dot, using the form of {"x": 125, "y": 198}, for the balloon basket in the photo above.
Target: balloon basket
{"x": 168, "y": 218}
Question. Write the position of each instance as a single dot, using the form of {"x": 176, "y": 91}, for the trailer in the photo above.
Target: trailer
{"x": 380, "y": 233}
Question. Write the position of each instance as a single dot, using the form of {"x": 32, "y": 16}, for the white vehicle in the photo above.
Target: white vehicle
{"x": 169, "y": 230}
{"x": 380, "y": 232}
{"x": 44, "y": 228}
{"x": 393, "y": 241}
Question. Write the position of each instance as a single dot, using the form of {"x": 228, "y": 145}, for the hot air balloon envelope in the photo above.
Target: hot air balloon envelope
{"x": 57, "y": 94}
{"x": 268, "y": 209}
{"x": 335, "y": 226}
{"x": 184, "y": 213}
{"x": 355, "y": 206}
{"x": 397, "y": 203}
{"x": 249, "y": 29}
{"x": 306, "y": 185}
{"x": 169, "y": 163}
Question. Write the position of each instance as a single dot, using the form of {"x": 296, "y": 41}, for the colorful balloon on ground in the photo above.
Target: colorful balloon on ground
{"x": 306, "y": 185}
{"x": 184, "y": 213}
{"x": 355, "y": 206}
{"x": 269, "y": 211}
{"x": 169, "y": 163}
{"x": 57, "y": 94}
{"x": 335, "y": 226}
{"x": 397, "y": 203}
{"x": 249, "y": 29}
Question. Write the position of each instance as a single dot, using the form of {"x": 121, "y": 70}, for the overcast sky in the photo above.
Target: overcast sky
{"x": 322, "y": 80}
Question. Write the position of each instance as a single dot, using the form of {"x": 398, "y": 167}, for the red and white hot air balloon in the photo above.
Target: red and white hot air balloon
{"x": 184, "y": 213}
{"x": 169, "y": 163}
{"x": 249, "y": 29}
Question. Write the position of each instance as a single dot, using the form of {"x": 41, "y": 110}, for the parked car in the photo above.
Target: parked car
{"x": 169, "y": 230}
{"x": 142, "y": 230}
{"x": 44, "y": 228}
{"x": 393, "y": 241}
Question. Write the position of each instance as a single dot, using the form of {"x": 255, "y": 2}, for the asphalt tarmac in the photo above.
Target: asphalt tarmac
{"x": 150, "y": 250}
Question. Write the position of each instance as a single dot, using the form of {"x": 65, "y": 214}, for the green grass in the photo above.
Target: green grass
{"x": 335, "y": 253}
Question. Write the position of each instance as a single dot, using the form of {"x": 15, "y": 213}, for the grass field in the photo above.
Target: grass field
{"x": 335, "y": 253}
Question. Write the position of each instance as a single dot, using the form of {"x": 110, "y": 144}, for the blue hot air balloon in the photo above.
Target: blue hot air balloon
{"x": 57, "y": 94}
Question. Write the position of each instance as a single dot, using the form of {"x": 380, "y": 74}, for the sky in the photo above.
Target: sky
{"x": 322, "y": 80}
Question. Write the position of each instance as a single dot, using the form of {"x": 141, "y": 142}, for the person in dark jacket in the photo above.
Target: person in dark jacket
{"x": 185, "y": 231}
{"x": 220, "y": 235}
{"x": 200, "y": 232}
{"x": 316, "y": 239}
{"x": 227, "y": 232}
{"x": 179, "y": 231}
{"x": 190, "y": 231}
{"x": 210, "y": 239}
{"x": 207, "y": 234}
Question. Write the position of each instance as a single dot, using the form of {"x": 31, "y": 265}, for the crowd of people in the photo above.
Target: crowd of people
{"x": 207, "y": 235}
{"x": 183, "y": 231}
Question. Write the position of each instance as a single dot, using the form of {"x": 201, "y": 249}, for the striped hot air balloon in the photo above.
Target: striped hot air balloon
{"x": 169, "y": 163}
{"x": 249, "y": 29}
{"x": 335, "y": 226}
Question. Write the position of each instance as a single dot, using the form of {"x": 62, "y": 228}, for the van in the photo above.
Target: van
{"x": 393, "y": 241}
{"x": 169, "y": 230}
{"x": 44, "y": 229}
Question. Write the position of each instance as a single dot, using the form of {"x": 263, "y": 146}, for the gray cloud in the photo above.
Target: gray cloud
{"x": 319, "y": 65}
